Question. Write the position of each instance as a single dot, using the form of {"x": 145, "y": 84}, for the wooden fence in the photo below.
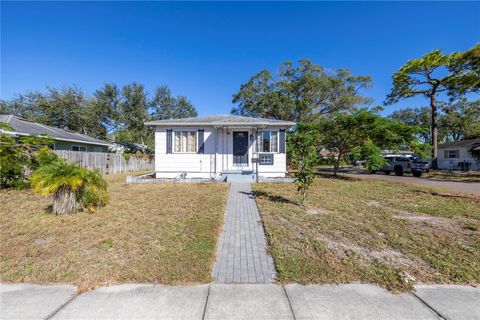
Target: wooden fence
{"x": 108, "y": 162}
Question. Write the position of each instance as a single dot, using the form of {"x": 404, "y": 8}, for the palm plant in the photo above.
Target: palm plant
{"x": 70, "y": 185}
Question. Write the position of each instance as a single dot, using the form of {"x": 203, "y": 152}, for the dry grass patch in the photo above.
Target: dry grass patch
{"x": 155, "y": 233}
{"x": 371, "y": 231}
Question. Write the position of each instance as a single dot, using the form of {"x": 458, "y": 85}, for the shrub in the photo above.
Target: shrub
{"x": 72, "y": 187}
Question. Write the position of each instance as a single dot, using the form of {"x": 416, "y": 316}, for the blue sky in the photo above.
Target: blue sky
{"x": 206, "y": 50}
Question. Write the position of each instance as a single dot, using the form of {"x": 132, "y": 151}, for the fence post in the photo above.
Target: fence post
{"x": 107, "y": 165}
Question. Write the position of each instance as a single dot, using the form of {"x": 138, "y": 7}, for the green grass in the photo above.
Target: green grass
{"x": 148, "y": 233}
{"x": 371, "y": 231}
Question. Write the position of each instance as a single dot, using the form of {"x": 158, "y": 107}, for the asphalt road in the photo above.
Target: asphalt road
{"x": 472, "y": 187}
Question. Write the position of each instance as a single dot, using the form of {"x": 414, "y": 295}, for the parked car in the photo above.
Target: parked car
{"x": 401, "y": 165}
{"x": 426, "y": 163}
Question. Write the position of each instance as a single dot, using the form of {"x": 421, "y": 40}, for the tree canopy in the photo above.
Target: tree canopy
{"x": 300, "y": 93}
{"x": 111, "y": 112}
{"x": 342, "y": 133}
{"x": 436, "y": 73}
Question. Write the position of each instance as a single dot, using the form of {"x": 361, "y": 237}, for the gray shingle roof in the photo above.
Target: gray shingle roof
{"x": 463, "y": 143}
{"x": 26, "y": 127}
{"x": 220, "y": 119}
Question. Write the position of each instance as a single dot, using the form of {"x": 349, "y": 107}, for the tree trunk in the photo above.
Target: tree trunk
{"x": 336, "y": 164}
{"x": 64, "y": 201}
{"x": 434, "y": 130}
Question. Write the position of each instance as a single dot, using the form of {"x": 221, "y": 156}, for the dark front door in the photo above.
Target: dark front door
{"x": 240, "y": 148}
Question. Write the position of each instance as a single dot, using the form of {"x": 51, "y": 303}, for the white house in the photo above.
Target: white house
{"x": 218, "y": 146}
{"x": 456, "y": 156}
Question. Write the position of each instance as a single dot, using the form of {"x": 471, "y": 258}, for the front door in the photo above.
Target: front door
{"x": 240, "y": 148}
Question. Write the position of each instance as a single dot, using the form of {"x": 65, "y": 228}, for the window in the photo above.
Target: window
{"x": 266, "y": 159}
{"x": 79, "y": 148}
{"x": 267, "y": 141}
{"x": 185, "y": 141}
{"x": 451, "y": 154}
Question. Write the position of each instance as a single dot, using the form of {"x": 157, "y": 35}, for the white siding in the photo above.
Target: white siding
{"x": 217, "y": 156}
{"x": 464, "y": 155}
{"x": 173, "y": 164}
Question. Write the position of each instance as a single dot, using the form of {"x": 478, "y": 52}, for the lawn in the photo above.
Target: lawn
{"x": 353, "y": 230}
{"x": 156, "y": 233}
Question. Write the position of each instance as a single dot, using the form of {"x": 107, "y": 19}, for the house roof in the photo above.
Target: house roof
{"x": 220, "y": 120}
{"x": 27, "y": 127}
{"x": 458, "y": 144}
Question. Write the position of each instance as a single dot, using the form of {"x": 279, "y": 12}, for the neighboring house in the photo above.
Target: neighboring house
{"x": 456, "y": 156}
{"x": 63, "y": 139}
{"x": 219, "y": 145}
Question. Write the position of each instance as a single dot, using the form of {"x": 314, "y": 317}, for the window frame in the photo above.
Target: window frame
{"x": 174, "y": 132}
{"x": 456, "y": 154}
{"x": 260, "y": 141}
{"x": 79, "y": 148}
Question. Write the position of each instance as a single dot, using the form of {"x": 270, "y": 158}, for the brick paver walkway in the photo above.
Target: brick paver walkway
{"x": 242, "y": 255}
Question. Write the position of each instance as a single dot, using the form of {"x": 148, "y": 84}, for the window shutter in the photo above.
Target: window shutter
{"x": 201, "y": 147}
{"x": 169, "y": 140}
{"x": 445, "y": 154}
{"x": 281, "y": 140}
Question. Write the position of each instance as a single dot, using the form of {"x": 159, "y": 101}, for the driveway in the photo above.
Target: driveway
{"x": 453, "y": 186}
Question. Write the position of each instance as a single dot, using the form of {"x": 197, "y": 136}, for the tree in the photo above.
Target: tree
{"x": 303, "y": 93}
{"x": 372, "y": 156}
{"x": 165, "y": 106}
{"x": 17, "y": 157}
{"x": 460, "y": 121}
{"x": 304, "y": 157}
{"x": 437, "y": 73}
{"x": 70, "y": 185}
{"x": 105, "y": 107}
{"x": 134, "y": 112}
{"x": 343, "y": 133}
{"x": 419, "y": 117}
{"x": 65, "y": 108}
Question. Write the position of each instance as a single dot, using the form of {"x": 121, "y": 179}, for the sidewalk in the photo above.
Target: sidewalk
{"x": 238, "y": 301}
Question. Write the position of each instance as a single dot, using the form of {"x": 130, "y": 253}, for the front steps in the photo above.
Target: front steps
{"x": 238, "y": 176}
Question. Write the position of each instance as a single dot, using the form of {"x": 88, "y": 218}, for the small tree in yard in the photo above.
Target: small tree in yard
{"x": 70, "y": 186}
{"x": 364, "y": 133}
{"x": 304, "y": 156}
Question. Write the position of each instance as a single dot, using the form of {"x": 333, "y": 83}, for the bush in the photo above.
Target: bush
{"x": 18, "y": 157}
{"x": 372, "y": 155}
{"x": 72, "y": 187}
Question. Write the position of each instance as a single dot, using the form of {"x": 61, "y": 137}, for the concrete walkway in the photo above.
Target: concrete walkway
{"x": 239, "y": 301}
{"x": 242, "y": 255}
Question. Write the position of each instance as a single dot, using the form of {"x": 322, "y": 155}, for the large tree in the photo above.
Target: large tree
{"x": 460, "y": 120}
{"x": 300, "y": 93}
{"x": 419, "y": 117}
{"x": 166, "y": 106}
{"x": 433, "y": 74}
{"x": 66, "y": 108}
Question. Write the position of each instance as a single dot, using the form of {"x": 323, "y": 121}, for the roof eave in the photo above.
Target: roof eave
{"x": 165, "y": 124}
{"x": 16, "y": 133}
